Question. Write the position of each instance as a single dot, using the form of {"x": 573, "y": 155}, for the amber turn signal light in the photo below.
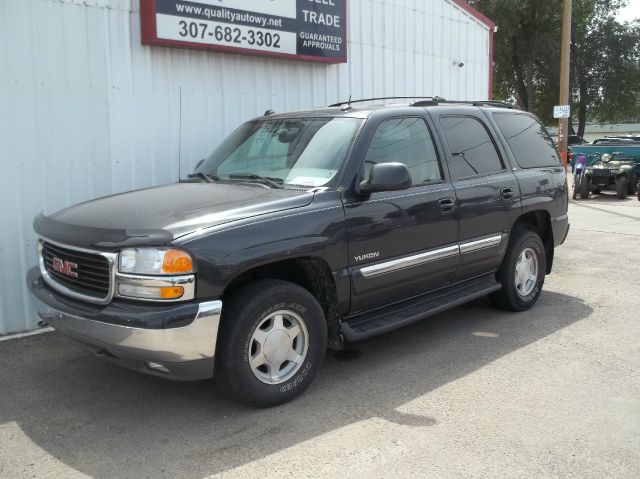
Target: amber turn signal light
{"x": 171, "y": 292}
{"x": 176, "y": 261}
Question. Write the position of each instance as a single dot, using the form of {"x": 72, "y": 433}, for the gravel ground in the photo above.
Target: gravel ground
{"x": 474, "y": 392}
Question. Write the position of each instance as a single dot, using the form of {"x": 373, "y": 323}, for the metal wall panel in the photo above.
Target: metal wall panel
{"x": 87, "y": 111}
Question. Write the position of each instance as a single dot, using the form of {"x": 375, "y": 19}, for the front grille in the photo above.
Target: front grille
{"x": 93, "y": 270}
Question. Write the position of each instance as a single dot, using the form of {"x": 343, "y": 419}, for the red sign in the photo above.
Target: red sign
{"x": 312, "y": 30}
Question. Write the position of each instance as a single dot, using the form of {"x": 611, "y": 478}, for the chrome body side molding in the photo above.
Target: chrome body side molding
{"x": 409, "y": 261}
{"x": 430, "y": 256}
{"x": 475, "y": 245}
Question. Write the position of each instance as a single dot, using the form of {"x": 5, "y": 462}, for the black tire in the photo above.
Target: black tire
{"x": 632, "y": 187}
{"x": 584, "y": 188}
{"x": 509, "y": 297}
{"x": 621, "y": 187}
{"x": 597, "y": 191}
{"x": 242, "y": 313}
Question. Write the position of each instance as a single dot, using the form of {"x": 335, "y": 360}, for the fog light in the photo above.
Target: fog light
{"x": 150, "y": 292}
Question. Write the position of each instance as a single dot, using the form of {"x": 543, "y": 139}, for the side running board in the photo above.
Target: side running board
{"x": 392, "y": 317}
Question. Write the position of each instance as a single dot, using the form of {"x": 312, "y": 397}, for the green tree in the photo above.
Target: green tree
{"x": 605, "y": 65}
{"x": 526, "y": 37}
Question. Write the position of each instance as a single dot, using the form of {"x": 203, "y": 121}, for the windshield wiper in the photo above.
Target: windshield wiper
{"x": 255, "y": 177}
{"x": 204, "y": 177}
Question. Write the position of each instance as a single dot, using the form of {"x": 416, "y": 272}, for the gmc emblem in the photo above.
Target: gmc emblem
{"x": 65, "y": 267}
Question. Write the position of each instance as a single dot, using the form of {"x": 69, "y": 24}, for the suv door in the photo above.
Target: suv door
{"x": 487, "y": 191}
{"x": 401, "y": 243}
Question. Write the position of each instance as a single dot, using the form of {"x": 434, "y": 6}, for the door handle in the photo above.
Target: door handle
{"x": 506, "y": 193}
{"x": 447, "y": 205}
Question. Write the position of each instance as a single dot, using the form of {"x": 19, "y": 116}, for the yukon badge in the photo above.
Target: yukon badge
{"x": 362, "y": 257}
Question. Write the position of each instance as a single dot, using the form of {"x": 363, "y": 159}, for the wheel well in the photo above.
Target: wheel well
{"x": 313, "y": 274}
{"x": 540, "y": 223}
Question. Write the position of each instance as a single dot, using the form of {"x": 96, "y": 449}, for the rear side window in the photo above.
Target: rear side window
{"x": 529, "y": 141}
{"x": 472, "y": 150}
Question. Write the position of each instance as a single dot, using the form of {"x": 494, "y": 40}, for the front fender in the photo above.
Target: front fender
{"x": 223, "y": 253}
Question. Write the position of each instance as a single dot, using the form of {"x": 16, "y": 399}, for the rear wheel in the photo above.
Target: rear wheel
{"x": 584, "y": 188}
{"x": 632, "y": 187}
{"x": 521, "y": 273}
{"x": 272, "y": 342}
{"x": 621, "y": 187}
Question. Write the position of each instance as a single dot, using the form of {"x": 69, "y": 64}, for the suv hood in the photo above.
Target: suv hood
{"x": 161, "y": 214}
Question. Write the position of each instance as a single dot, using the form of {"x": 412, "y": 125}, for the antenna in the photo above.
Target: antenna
{"x": 346, "y": 106}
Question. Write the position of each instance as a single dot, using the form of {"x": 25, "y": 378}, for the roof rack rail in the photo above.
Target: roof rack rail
{"x": 500, "y": 103}
{"x": 362, "y": 100}
{"x": 434, "y": 100}
{"x": 495, "y": 103}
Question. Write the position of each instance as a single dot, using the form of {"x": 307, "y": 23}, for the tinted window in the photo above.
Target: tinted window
{"x": 405, "y": 140}
{"x": 472, "y": 151}
{"x": 529, "y": 141}
{"x": 299, "y": 151}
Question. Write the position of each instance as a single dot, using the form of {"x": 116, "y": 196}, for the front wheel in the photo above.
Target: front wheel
{"x": 521, "y": 273}
{"x": 621, "y": 187}
{"x": 272, "y": 342}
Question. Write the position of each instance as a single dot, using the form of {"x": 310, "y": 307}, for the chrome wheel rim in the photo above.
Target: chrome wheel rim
{"x": 526, "y": 274}
{"x": 278, "y": 347}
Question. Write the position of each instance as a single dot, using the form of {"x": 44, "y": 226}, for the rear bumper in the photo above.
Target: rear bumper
{"x": 173, "y": 341}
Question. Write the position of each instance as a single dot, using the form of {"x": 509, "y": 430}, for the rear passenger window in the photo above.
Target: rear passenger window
{"x": 529, "y": 141}
{"x": 405, "y": 140}
{"x": 472, "y": 151}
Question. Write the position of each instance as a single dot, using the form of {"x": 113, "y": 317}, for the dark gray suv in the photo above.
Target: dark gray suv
{"x": 303, "y": 231}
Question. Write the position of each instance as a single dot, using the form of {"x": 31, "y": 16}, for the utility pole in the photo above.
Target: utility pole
{"x": 563, "y": 123}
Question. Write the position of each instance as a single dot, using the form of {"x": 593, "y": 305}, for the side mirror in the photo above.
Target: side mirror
{"x": 385, "y": 177}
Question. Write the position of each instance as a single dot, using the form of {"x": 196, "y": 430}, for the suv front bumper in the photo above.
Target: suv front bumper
{"x": 176, "y": 341}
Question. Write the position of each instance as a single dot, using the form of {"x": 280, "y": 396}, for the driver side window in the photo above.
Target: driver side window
{"x": 405, "y": 140}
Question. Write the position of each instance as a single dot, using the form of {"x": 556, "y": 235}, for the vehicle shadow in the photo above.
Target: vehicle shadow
{"x": 98, "y": 418}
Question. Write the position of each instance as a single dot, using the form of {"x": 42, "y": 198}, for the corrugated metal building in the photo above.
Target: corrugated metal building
{"x": 87, "y": 110}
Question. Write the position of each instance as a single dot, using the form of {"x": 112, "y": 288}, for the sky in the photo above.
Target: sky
{"x": 630, "y": 12}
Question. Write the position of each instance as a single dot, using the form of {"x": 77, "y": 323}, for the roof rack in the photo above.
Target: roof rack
{"x": 496, "y": 103}
{"x": 362, "y": 100}
{"x": 433, "y": 100}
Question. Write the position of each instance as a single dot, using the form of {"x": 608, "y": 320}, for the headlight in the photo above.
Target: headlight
{"x": 155, "y": 261}
{"x": 155, "y": 274}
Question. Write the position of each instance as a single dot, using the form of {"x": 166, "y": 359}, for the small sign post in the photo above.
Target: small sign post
{"x": 561, "y": 111}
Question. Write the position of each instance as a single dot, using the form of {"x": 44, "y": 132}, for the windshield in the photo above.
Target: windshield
{"x": 307, "y": 151}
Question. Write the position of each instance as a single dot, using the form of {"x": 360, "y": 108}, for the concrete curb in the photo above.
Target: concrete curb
{"x": 24, "y": 335}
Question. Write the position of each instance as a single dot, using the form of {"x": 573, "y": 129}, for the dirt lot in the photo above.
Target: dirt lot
{"x": 475, "y": 392}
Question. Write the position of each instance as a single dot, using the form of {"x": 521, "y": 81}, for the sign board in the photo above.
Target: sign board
{"x": 312, "y": 30}
{"x": 561, "y": 111}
